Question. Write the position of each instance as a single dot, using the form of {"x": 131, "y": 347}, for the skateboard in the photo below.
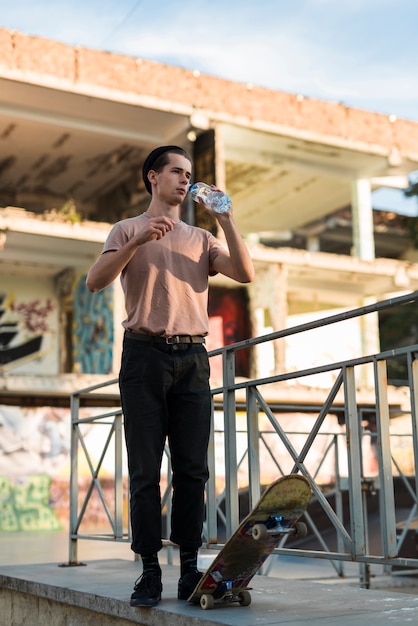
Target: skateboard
{"x": 276, "y": 514}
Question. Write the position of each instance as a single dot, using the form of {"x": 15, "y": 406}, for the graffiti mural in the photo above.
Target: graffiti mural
{"x": 93, "y": 330}
{"x": 25, "y": 505}
{"x": 34, "y": 448}
{"x": 23, "y": 328}
{"x": 35, "y": 468}
{"x": 34, "y": 440}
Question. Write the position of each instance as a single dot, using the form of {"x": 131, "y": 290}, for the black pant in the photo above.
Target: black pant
{"x": 165, "y": 393}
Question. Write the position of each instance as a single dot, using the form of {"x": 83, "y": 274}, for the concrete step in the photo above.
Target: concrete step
{"x": 97, "y": 594}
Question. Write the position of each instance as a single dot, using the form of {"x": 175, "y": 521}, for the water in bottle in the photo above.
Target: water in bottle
{"x": 218, "y": 201}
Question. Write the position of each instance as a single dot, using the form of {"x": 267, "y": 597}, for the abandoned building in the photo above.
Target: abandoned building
{"x": 75, "y": 126}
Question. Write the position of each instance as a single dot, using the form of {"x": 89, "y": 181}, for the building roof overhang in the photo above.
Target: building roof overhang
{"x": 34, "y": 246}
{"x": 81, "y": 128}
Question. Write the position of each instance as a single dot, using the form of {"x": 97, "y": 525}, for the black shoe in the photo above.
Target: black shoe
{"x": 147, "y": 590}
{"x": 187, "y": 584}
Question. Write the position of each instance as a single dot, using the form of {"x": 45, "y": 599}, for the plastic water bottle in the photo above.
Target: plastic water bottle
{"x": 218, "y": 201}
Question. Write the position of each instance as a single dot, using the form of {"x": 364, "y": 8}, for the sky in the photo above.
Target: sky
{"x": 363, "y": 53}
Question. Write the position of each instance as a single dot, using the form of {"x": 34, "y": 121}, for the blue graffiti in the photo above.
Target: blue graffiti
{"x": 93, "y": 329}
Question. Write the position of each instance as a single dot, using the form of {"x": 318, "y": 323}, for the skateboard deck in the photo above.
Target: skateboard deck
{"x": 275, "y": 515}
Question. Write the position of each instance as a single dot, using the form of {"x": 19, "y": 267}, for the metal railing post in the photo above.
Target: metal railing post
{"x": 211, "y": 507}
{"x": 118, "y": 477}
{"x": 354, "y": 463}
{"x": 253, "y": 438}
{"x": 413, "y": 390}
{"x": 75, "y": 407}
{"x": 230, "y": 433}
{"x": 387, "y": 497}
{"x": 339, "y": 508}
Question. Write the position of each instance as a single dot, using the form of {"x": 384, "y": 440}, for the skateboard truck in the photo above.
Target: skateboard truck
{"x": 225, "y": 593}
{"x": 274, "y": 526}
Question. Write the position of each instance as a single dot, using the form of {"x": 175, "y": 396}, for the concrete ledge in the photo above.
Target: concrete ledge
{"x": 99, "y": 593}
{"x": 18, "y": 608}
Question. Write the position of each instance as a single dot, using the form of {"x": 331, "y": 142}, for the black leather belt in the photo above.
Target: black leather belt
{"x": 175, "y": 339}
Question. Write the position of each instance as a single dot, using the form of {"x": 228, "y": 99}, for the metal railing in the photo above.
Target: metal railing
{"x": 237, "y": 467}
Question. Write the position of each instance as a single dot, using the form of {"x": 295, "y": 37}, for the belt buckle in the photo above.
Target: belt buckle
{"x": 172, "y": 340}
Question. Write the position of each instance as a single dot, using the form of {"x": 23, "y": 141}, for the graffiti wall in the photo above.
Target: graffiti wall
{"x": 34, "y": 448}
{"x": 28, "y": 326}
{"x": 26, "y": 504}
{"x": 35, "y": 468}
{"x": 93, "y": 330}
{"x": 30, "y": 333}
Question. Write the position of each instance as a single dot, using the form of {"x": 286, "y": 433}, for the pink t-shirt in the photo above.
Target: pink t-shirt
{"x": 166, "y": 282}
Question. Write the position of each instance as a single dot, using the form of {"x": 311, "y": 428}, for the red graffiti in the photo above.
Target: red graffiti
{"x": 34, "y": 314}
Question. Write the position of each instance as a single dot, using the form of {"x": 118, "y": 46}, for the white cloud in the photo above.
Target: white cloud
{"x": 362, "y": 52}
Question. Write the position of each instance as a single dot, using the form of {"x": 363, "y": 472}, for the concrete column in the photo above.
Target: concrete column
{"x": 370, "y": 341}
{"x": 268, "y": 311}
{"x": 280, "y": 317}
{"x": 364, "y": 248}
{"x": 220, "y": 157}
{"x": 362, "y": 215}
{"x": 220, "y": 174}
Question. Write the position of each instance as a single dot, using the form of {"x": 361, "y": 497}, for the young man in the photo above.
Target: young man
{"x": 164, "y": 266}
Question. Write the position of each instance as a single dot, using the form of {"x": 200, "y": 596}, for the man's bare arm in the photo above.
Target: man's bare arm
{"x": 110, "y": 264}
{"x": 235, "y": 263}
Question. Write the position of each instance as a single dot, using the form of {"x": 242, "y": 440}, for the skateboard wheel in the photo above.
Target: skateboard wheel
{"x": 301, "y": 530}
{"x": 244, "y": 598}
{"x": 260, "y": 532}
{"x": 207, "y": 602}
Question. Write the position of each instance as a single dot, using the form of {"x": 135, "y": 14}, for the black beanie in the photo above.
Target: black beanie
{"x": 150, "y": 160}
